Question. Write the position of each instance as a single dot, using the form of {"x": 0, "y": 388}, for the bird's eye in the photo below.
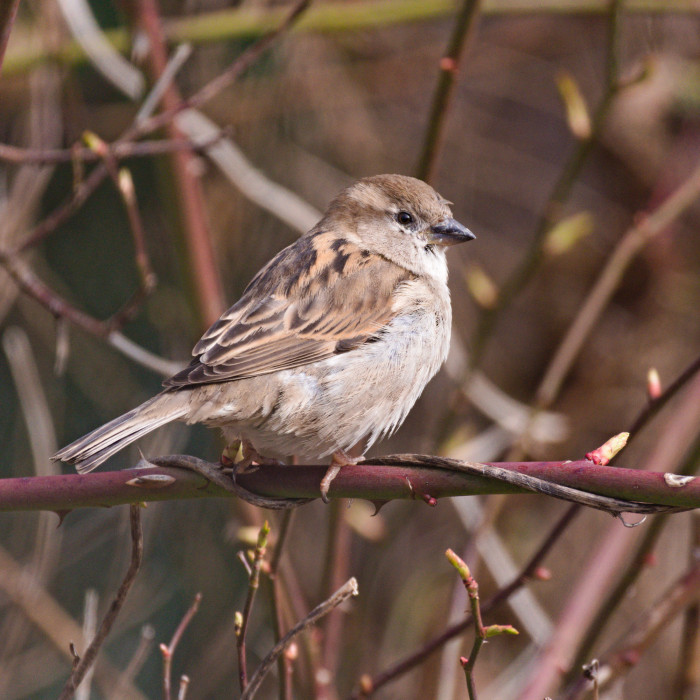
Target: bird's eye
{"x": 404, "y": 218}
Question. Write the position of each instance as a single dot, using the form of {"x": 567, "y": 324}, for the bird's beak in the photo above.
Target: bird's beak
{"x": 449, "y": 232}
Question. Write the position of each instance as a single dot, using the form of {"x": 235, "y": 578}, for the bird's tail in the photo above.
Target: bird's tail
{"x": 94, "y": 448}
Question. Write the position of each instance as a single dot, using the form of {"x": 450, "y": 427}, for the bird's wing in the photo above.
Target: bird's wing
{"x": 317, "y": 298}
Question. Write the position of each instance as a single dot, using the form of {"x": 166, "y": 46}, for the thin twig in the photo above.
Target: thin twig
{"x": 64, "y": 211}
{"x": 646, "y": 628}
{"x": 184, "y": 685}
{"x": 656, "y": 404}
{"x": 618, "y": 593}
{"x": 414, "y": 659}
{"x": 346, "y": 591}
{"x": 129, "y": 149}
{"x": 135, "y": 663}
{"x": 336, "y": 563}
{"x": 253, "y": 585}
{"x": 176, "y": 61}
{"x": 125, "y": 185}
{"x": 449, "y": 65}
{"x": 283, "y": 663}
{"x": 91, "y": 652}
{"x": 481, "y": 633}
{"x": 168, "y": 651}
{"x": 83, "y": 690}
{"x": 224, "y": 79}
{"x": 204, "y": 272}
{"x": 87, "y": 186}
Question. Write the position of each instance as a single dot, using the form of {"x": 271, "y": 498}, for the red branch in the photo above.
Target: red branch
{"x": 373, "y": 482}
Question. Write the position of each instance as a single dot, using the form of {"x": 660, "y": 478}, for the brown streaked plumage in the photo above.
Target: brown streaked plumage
{"x": 332, "y": 341}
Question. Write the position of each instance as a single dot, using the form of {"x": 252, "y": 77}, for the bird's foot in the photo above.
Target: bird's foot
{"x": 339, "y": 460}
{"x": 229, "y": 454}
{"x": 250, "y": 457}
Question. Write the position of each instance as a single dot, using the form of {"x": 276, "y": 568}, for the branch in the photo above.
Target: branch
{"x": 168, "y": 651}
{"x": 205, "y": 273}
{"x": 49, "y": 156}
{"x": 449, "y": 65}
{"x": 348, "y": 590}
{"x": 244, "y": 619}
{"x": 481, "y": 633}
{"x": 612, "y": 489}
{"x": 683, "y": 592}
{"x": 91, "y": 652}
{"x": 370, "y": 685}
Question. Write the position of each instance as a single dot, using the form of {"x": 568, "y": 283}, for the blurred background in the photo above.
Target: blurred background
{"x": 564, "y": 127}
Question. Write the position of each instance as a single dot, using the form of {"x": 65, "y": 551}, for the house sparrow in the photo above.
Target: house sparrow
{"x": 331, "y": 343}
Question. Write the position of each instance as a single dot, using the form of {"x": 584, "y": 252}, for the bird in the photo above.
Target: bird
{"x": 330, "y": 344}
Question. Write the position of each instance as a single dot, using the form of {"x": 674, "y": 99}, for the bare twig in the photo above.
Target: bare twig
{"x": 224, "y": 79}
{"x": 63, "y": 212}
{"x": 184, "y": 685}
{"x": 284, "y": 662}
{"x": 481, "y": 633}
{"x": 143, "y": 357}
{"x": 636, "y": 565}
{"x": 22, "y": 588}
{"x": 657, "y": 403}
{"x": 617, "y": 594}
{"x": 129, "y": 149}
{"x": 176, "y": 61}
{"x": 167, "y": 651}
{"x": 336, "y": 563}
{"x": 31, "y": 285}
{"x": 253, "y": 585}
{"x": 89, "y": 625}
{"x": 202, "y": 266}
{"x": 90, "y": 654}
{"x": 449, "y": 65}
{"x": 135, "y": 663}
{"x": 346, "y": 591}
{"x": 646, "y": 628}
{"x": 371, "y": 685}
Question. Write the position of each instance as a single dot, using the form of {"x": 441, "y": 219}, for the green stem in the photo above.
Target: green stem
{"x": 237, "y": 23}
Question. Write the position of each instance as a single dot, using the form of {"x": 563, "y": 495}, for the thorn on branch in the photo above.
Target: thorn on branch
{"x": 151, "y": 481}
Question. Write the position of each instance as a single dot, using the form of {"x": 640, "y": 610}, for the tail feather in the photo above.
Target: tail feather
{"x": 94, "y": 448}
